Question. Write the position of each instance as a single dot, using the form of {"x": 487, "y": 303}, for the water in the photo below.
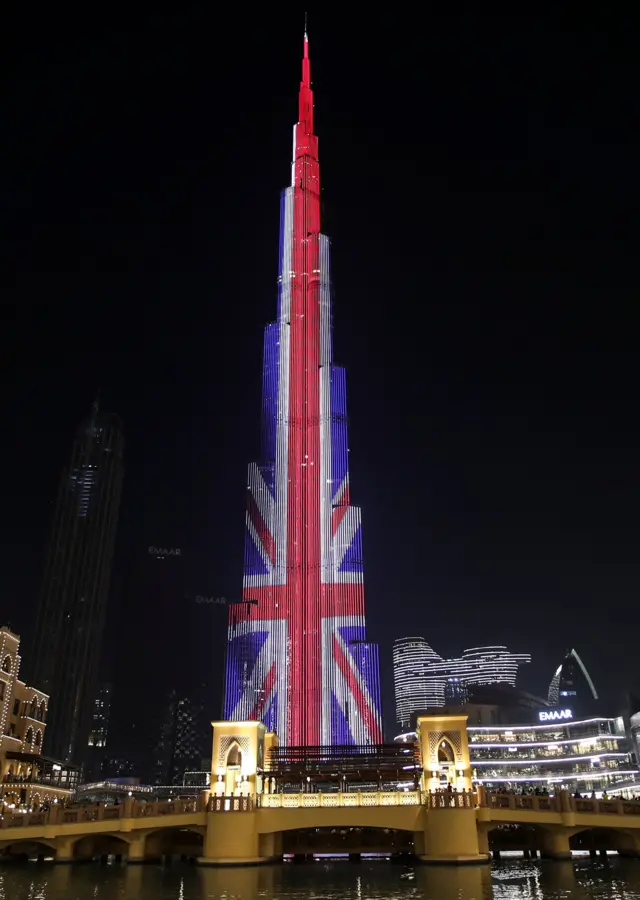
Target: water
{"x": 516, "y": 879}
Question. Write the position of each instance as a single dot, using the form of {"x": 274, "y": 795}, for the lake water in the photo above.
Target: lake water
{"x": 580, "y": 879}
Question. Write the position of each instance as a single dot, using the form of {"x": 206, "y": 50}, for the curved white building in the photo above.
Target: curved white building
{"x": 423, "y": 679}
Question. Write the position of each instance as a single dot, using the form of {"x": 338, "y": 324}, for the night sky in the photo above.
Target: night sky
{"x": 480, "y": 182}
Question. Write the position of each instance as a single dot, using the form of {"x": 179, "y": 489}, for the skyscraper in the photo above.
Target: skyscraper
{"x": 413, "y": 689}
{"x": 99, "y": 733}
{"x": 184, "y": 739}
{"x": 297, "y": 656}
{"x": 423, "y": 678}
{"x": 76, "y": 581}
{"x": 572, "y": 684}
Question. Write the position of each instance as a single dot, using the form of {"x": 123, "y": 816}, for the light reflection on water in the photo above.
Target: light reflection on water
{"x": 515, "y": 879}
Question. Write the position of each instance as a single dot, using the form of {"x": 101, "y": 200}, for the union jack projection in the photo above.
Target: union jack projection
{"x": 297, "y": 654}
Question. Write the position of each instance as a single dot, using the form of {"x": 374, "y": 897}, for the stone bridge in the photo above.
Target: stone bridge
{"x": 454, "y": 827}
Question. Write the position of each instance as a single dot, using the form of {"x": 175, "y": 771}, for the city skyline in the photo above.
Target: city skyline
{"x": 298, "y": 658}
{"x": 479, "y": 202}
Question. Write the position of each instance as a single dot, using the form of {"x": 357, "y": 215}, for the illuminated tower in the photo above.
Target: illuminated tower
{"x": 297, "y": 655}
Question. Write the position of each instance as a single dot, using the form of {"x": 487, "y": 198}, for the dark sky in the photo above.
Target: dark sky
{"x": 480, "y": 180}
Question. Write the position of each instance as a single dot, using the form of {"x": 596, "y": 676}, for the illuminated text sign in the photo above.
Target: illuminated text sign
{"x": 554, "y": 715}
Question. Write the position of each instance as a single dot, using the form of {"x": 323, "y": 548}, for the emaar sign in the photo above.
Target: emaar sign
{"x": 555, "y": 715}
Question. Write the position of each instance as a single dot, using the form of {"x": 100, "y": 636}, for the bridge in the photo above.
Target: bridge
{"x": 252, "y": 815}
{"x": 253, "y": 829}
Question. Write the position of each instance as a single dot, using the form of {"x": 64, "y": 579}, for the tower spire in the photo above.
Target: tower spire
{"x": 306, "y": 96}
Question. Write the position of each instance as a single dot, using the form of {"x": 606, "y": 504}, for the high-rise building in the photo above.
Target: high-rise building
{"x": 412, "y": 688}
{"x": 572, "y": 684}
{"x": 100, "y": 717}
{"x": 296, "y": 656}
{"x": 97, "y": 741}
{"x": 183, "y": 739}
{"x": 423, "y": 679}
{"x": 76, "y": 581}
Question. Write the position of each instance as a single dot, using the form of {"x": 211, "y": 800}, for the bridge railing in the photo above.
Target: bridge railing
{"x": 342, "y": 799}
{"x": 232, "y": 803}
{"x": 562, "y": 801}
{"x": 450, "y": 800}
{"x": 131, "y": 808}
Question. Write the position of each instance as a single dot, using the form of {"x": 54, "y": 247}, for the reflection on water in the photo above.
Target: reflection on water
{"x": 515, "y": 879}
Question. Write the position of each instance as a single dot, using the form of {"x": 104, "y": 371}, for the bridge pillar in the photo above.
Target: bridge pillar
{"x": 451, "y": 837}
{"x": 137, "y": 850}
{"x": 555, "y": 844}
{"x": 270, "y": 845}
{"x": 418, "y": 843}
{"x": 232, "y": 839}
{"x": 65, "y": 849}
{"x": 483, "y": 839}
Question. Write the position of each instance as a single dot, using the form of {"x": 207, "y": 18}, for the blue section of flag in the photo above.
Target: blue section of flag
{"x": 242, "y": 653}
{"x": 365, "y": 657}
{"x": 270, "y": 718}
{"x": 352, "y": 559}
{"x": 340, "y": 731}
{"x": 254, "y": 564}
{"x": 339, "y": 462}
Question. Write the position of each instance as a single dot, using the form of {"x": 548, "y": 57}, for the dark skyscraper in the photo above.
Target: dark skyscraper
{"x": 98, "y": 735}
{"x": 183, "y": 739}
{"x": 75, "y": 587}
{"x": 571, "y": 684}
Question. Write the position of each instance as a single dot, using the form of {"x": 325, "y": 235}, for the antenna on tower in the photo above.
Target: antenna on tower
{"x": 305, "y": 23}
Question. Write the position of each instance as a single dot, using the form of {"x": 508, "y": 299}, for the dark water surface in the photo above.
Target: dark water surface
{"x": 611, "y": 879}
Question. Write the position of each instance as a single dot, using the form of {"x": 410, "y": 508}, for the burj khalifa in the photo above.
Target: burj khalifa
{"x": 298, "y": 658}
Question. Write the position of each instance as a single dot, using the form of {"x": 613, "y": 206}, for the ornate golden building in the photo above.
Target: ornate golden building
{"x": 29, "y": 780}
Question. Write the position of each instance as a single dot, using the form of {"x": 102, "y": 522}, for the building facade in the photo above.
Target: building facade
{"x": 549, "y": 749}
{"x": 413, "y": 690}
{"x": 572, "y": 684}
{"x": 75, "y": 587}
{"x": 98, "y": 736}
{"x": 28, "y": 778}
{"x": 424, "y": 680}
{"x": 183, "y": 740}
{"x": 296, "y": 657}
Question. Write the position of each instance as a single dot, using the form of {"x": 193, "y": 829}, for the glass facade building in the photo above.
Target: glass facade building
{"x": 586, "y": 755}
{"x": 183, "y": 740}
{"x": 76, "y": 582}
{"x": 554, "y": 751}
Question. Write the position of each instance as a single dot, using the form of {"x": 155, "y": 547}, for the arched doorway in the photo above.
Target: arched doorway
{"x": 446, "y": 763}
{"x": 233, "y": 775}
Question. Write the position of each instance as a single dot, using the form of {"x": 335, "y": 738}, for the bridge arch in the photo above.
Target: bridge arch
{"x": 605, "y": 838}
{"x": 348, "y": 839}
{"x": 28, "y": 848}
{"x": 178, "y": 841}
{"x": 517, "y": 835}
{"x": 90, "y": 845}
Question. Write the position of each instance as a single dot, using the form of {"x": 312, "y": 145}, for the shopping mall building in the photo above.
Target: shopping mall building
{"x": 552, "y": 748}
